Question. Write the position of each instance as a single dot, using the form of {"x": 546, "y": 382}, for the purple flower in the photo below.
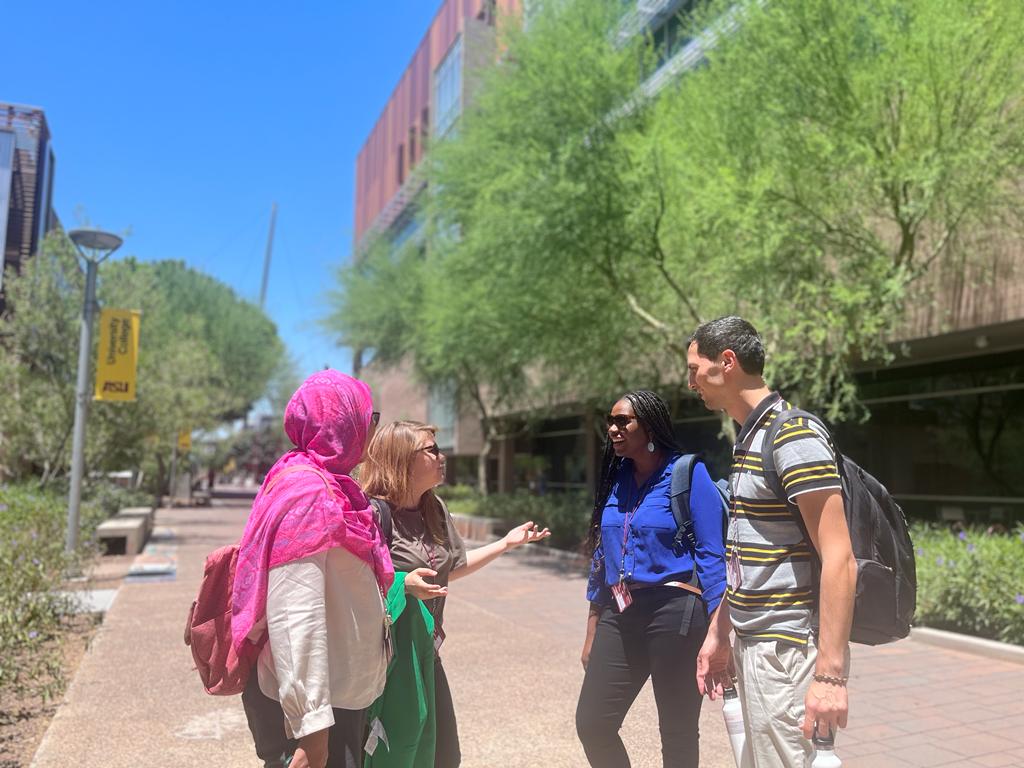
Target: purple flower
{"x": 1020, "y": 599}
{"x": 920, "y": 550}
{"x": 962, "y": 535}
{"x": 940, "y": 560}
{"x": 970, "y": 547}
{"x": 35, "y": 561}
{"x": 33, "y": 635}
{"x": 3, "y": 507}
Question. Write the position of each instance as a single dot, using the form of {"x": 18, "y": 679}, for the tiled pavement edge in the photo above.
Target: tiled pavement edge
{"x": 514, "y": 634}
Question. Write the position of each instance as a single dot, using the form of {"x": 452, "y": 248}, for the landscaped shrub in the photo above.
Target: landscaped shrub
{"x": 566, "y": 514}
{"x": 972, "y": 582}
{"x": 32, "y": 567}
{"x": 110, "y": 498}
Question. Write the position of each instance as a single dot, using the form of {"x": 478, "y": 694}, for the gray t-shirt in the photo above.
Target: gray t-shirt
{"x": 413, "y": 547}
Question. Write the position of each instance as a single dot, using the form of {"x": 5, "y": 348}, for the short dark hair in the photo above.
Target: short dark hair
{"x": 731, "y": 332}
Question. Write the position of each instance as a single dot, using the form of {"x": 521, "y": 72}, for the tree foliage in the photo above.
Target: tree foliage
{"x": 821, "y": 158}
{"x": 204, "y": 357}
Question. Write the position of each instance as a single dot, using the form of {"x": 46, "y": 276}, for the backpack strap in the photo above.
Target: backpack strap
{"x": 771, "y": 473}
{"x": 682, "y": 478}
{"x": 383, "y": 513}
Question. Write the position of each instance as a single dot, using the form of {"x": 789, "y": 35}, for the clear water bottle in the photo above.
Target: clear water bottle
{"x": 732, "y": 712}
{"x": 825, "y": 751}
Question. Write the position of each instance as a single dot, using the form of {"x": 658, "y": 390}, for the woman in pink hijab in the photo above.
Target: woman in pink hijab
{"x": 312, "y": 569}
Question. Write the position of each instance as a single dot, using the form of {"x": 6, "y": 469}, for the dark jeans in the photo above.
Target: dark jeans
{"x": 266, "y": 723}
{"x": 446, "y": 748}
{"x": 659, "y": 637}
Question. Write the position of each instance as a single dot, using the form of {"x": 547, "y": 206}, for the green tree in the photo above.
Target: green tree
{"x": 823, "y": 158}
{"x": 191, "y": 370}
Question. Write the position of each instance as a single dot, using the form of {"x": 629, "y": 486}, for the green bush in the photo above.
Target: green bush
{"x": 111, "y": 498}
{"x": 970, "y": 581}
{"x": 566, "y": 514}
{"x": 32, "y": 567}
{"x": 458, "y": 492}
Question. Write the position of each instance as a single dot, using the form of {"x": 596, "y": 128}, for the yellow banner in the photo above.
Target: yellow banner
{"x": 118, "y": 354}
{"x": 184, "y": 441}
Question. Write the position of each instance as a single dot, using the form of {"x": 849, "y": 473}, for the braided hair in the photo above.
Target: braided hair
{"x": 653, "y": 416}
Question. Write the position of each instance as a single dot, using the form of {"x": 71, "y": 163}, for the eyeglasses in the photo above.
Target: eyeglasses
{"x": 619, "y": 420}
{"x": 375, "y": 418}
{"x": 432, "y": 449}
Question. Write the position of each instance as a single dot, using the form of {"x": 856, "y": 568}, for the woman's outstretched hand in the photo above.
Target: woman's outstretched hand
{"x": 416, "y": 584}
{"x": 527, "y": 533}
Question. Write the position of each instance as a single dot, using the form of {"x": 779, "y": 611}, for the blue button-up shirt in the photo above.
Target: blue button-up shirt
{"x": 648, "y": 556}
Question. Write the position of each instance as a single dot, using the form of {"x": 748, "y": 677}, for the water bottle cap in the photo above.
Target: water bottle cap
{"x": 824, "y": 742}
{"x": 729, "y": 693}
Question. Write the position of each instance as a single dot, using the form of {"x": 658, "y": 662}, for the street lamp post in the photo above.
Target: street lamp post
{"x": 94, "y": 246}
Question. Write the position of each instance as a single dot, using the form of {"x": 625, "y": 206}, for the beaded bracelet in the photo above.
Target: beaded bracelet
{"x": 840, "y": 681}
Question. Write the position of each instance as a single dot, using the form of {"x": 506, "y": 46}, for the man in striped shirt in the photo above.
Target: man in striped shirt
{"x": 792, "y": 619}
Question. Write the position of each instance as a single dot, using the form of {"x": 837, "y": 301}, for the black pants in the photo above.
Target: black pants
{"x": 266, "y": 723}
{"x": 446, "y": 748}
{"x": 658, "y": 636}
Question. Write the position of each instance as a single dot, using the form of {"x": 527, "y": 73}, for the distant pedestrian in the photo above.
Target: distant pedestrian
{"x": 403, "y": 466}
{"x": 792, "y": 626}
{"x": 308, "y": 593}
{"x": 649, "y": 599}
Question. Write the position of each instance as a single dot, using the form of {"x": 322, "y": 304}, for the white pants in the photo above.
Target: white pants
{"x": 773, "y": 681}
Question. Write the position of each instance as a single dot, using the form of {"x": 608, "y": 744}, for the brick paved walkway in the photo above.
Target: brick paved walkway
{"x": 514, "y": 634}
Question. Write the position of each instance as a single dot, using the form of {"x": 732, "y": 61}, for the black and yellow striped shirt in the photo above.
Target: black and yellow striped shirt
{"x": 774, "y": 598}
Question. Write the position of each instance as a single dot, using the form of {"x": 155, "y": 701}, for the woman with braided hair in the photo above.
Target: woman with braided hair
{"x": 649, "y": 597}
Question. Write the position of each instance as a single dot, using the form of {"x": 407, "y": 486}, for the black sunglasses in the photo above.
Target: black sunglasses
{"x": 619, "y": 420}
{"x": 432, "y": 449}
{"x": 375, "y": 418}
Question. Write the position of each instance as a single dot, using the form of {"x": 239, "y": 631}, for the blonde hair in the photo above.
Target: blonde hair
{"x": 386, "y": 472}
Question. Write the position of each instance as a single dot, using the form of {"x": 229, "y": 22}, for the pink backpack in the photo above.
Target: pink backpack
{"x": 208, "y": 629}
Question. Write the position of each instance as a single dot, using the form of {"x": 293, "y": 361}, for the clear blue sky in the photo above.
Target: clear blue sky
{"x": 182, "y": 122}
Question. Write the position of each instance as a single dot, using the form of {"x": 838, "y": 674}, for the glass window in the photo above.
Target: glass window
{"x": 448, "y": 90}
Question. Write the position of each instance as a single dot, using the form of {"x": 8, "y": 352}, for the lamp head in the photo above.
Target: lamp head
{"x": 95, "y": 240}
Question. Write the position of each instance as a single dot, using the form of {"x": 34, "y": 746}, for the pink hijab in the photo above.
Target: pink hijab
{"x": 298, "y": 513}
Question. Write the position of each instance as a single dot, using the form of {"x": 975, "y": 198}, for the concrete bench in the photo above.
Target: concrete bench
{"x": 122, "y": 535}
{"x": 142, "y": 513}
{"x": 476, "y": 528}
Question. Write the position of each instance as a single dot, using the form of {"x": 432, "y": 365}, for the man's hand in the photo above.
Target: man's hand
{"x": 312, "y": 751}
{"x": 416, "y": 584}
{"x": 715, "y": 669}
{"x": 825, "y": 704}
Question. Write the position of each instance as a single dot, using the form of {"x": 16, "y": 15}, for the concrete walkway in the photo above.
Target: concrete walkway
{"x": 512, "y": 654}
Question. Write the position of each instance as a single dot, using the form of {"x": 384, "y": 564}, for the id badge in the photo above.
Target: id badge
{"x": 733, "y": 577}
{"x": 622, "y": 597}
{"x": 438, "y": 637}
{"x": 389, "y": 640}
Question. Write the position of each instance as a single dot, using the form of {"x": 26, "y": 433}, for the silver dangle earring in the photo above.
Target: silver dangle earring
{"x": 650, "y": 447}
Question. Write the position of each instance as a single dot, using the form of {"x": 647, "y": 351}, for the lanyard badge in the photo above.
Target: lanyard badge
{"x": 623, "y": 599}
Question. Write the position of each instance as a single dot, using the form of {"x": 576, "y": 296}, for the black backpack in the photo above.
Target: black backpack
{"x": 886, "y": 596}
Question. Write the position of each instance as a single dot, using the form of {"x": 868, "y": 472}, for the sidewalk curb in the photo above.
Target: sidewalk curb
{"x": 991, "y": 649}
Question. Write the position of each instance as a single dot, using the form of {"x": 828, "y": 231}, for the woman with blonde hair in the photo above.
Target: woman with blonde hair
{"x": 403, "y": 465}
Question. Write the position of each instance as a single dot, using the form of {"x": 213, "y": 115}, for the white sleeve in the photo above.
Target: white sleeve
{"x": 297, "y": 633}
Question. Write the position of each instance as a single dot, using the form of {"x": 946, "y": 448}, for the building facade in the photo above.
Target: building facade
{"x": 945, "y": 420}
{"x": 424, "y": 107}
{"x": 26, "y": 185}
